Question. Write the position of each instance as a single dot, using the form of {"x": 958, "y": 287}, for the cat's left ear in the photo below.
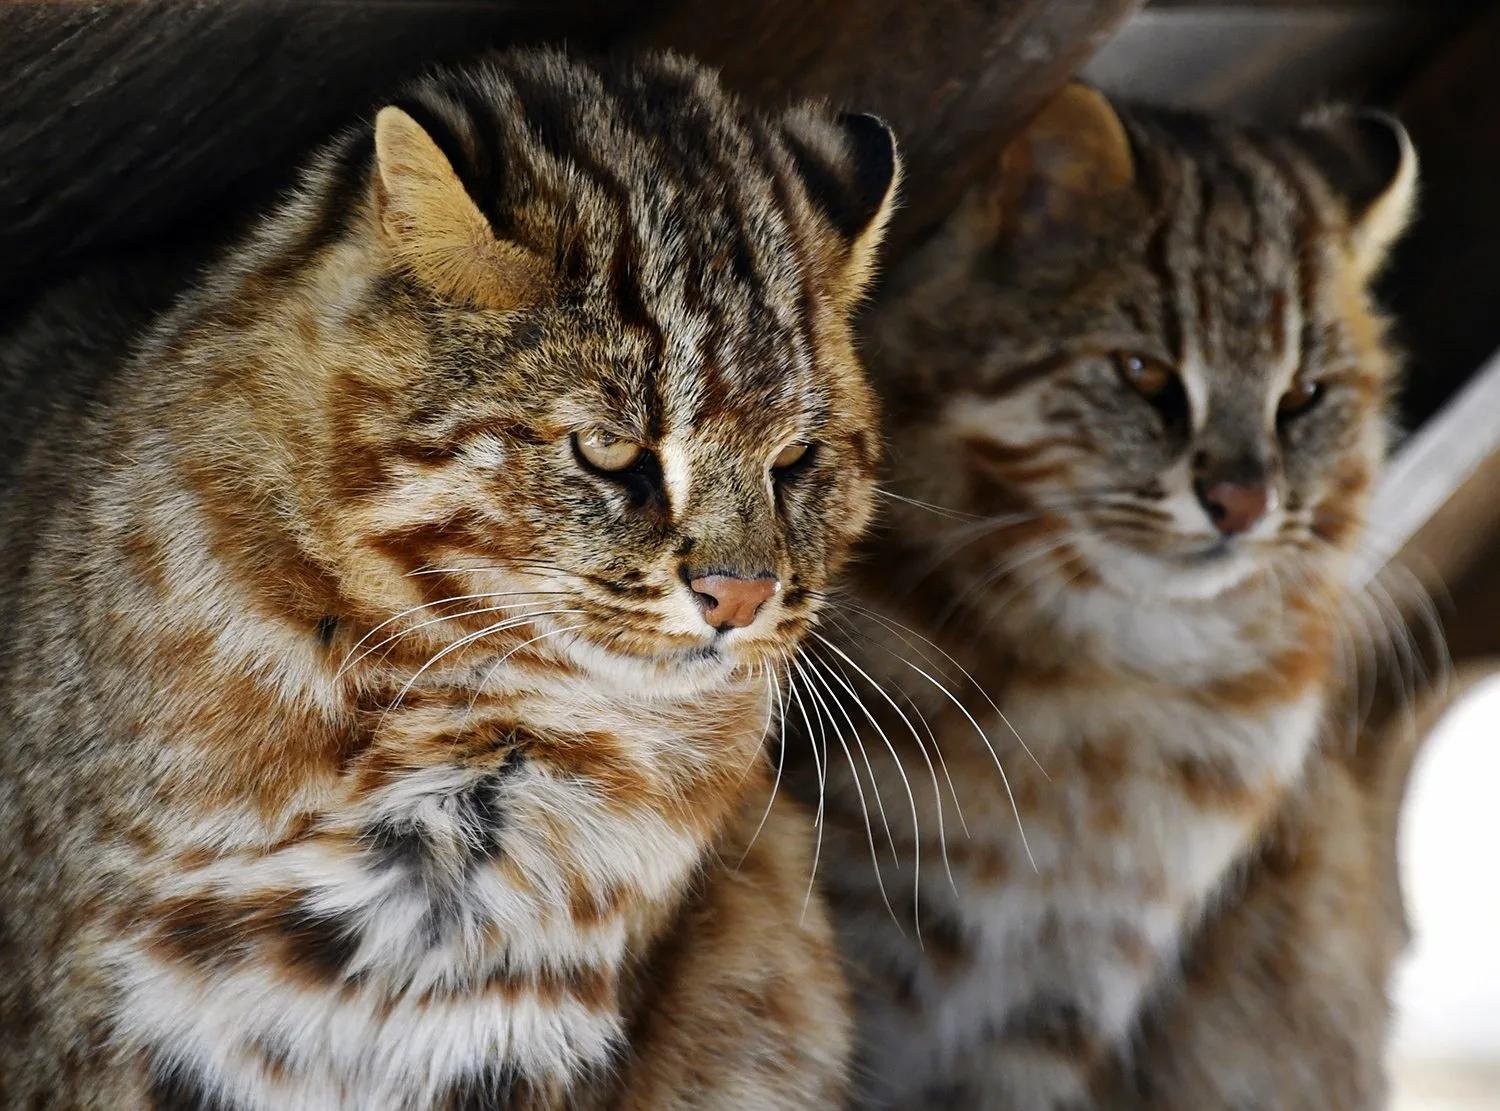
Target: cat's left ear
{"x": 1369, "y": 163}
{"x": 852, "y": 172}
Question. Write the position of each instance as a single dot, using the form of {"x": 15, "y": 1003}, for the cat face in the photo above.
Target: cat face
{"x": 1157, "y": 352}
{"x": 599, "y": 382}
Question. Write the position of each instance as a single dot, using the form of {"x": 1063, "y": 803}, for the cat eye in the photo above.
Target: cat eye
{"x": 1146, "y": 377}
{"x": 606, "y": 452}
{"x": 1301, "y": 397}
{"x": 794, "y": 452}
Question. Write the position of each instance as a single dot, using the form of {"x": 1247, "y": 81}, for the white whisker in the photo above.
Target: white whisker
{"x": 435, "y": 621}
{"x": 901, "y": 630}
{"x": 922, "y": 748}
{"x": 780, "y": 764}
{"x": 439, "y": 602}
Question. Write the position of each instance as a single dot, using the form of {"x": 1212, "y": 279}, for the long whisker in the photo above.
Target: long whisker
{"x": 439, "y": 602}
{"x": 911, "y": 798}
{"x": 845, "y": 627}
{"x": 858, "y": 788}
{"x": 818, "y": 818}
{"x": 513, "y": 567}
{"x": 464, "y": 641}
{"x": 780, "y": 765}
{"x": 968, "y": 535}
{"x": 984, "y": 737}
{"x": 902, "y": 631}
{"x": 490, "y": 672}
{"x": 816, "y": 667}
{"x": 921, "y": 747}
{"x": 763, "y": 670}
{"x": 1027, "y": 554}
{"x": 435, "y": 621}
{"x": 941, "y": 510}
{"x": 1427, "y": 613}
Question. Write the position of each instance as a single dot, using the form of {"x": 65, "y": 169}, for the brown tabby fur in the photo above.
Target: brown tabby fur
{"x": 1173, "y": 687}
{"x": 359, "y": 745}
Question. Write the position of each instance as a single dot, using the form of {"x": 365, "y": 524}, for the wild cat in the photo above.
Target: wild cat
{"x": 1138, "y": 394}
{"x": 388, "y": 643}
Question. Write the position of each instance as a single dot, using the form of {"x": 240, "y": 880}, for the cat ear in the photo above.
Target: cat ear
{"x": 436, "y": 230}
{"x": 852, "y": 173}
{"x": 1072, "y": 154}
{"x": 1369, "y": 162}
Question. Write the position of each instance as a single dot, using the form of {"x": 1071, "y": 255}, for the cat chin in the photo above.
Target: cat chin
{"x": 1170, "y": 578}
{"x": 678, "y": 676}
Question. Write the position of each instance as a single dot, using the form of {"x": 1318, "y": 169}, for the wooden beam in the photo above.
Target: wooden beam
{"x": 1440, "y": 496}
{"x": 136, "y": 125}
{"x": 130, "y": 125}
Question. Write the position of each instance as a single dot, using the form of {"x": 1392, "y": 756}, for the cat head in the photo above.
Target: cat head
{"x": 580, "y": 353}
{"x": 1147, "y": 341}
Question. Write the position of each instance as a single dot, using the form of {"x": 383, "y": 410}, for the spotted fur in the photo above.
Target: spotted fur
{"x": 360, "y": 745}
{"x": 1170, "y": 682}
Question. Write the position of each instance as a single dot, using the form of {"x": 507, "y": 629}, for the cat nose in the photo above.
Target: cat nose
{"x": 729, "y": 601}
{"x": 1234, "y": 507}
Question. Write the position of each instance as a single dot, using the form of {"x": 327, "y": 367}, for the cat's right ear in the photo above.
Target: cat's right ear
{"x": 436, "y": 231}
{"x": 852, "y": 173}
{"x": 1073, "y": 155}
{"x": 1368, "y": 162}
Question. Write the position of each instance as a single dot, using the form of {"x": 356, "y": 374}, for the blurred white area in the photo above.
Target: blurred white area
{"x": 1446, "y": 1050}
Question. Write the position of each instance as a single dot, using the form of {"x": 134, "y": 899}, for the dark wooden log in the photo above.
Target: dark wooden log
{"x": 126, "y": 124}
{"x": 131, "y": 125}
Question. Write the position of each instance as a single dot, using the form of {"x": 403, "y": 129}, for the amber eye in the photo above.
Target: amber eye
{"x": 794, "y": 452}
{"x": 1146, "y": 377}
{"x": 608, "y": 453}
{"x": 1299, "y": 398}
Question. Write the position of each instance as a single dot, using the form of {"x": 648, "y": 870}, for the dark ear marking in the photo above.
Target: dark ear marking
{"x": 851, "y": 191}
{"x": 851, "y": 171}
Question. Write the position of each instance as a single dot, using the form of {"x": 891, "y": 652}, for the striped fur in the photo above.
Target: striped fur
{"x": 360, "y": 746}
{"x": 1170, "y": 684}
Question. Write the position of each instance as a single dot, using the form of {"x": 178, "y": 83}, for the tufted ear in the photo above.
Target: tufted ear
{"x": 1073, "y": 153}
{"x": 852, "y": 173}
{"x": 436, "y": 230}
{"x": 1369, "y": 163}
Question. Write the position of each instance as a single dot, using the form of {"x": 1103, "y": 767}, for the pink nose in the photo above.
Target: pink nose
{"x": 1234, "y": 507}
{"x": 729, "y": 601}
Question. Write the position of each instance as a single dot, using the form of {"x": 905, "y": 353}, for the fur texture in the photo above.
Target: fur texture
{"x": 361, "y": 743}
{"x": 1138, "y": 396}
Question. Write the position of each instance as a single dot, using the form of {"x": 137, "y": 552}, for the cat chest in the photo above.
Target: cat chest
{"x": 397, "y": 949}
{"x": 1144, "y": 793}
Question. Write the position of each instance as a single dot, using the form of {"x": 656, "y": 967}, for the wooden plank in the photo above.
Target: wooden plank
{"x": 1429, "y": 484}
{"x": 124, "y": 124}
{"x": 1267, "y": 62}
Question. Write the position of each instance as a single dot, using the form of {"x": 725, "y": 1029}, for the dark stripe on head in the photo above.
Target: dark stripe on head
{"x": 1306, "y": 230}
{"x": 1018, "y": 377}
{"x": 1163, "y": 199}
{"x": 1201, "y": 277}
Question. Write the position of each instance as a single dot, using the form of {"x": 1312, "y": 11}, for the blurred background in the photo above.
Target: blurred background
{"x": 156, "y": 128}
